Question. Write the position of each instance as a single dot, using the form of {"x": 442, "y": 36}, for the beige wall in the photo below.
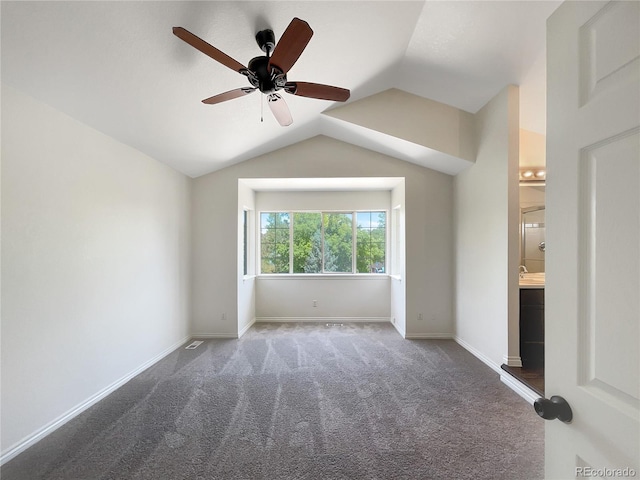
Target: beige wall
{"x": 486, "y": 226}
{"x": 429, "y": 234}
{"x": 415, "y": 119}
{"x": 95, "y": 265}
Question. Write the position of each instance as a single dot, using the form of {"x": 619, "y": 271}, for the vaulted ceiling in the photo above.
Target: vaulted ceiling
{"x": 117, "y": 67}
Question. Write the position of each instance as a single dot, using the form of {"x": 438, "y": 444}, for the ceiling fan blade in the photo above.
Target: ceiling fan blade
{"x": 207, "y": 49}
{"x": 317, "y": 90}
{"x": 230, "y": 95}
{"x": 291, "y": 44}
{"x": 279, "y": 109}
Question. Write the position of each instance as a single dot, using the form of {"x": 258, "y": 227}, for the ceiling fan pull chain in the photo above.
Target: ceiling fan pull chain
{"x": 261, "y": 109}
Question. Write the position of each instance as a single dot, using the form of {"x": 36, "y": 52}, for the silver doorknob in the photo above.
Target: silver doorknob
{"x": 555, "y": 407}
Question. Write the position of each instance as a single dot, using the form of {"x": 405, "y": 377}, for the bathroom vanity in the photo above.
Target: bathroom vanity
{"x": 532, "y": 320}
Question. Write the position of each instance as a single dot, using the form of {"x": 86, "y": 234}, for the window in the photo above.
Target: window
{"x": 245, "y": 242}
{"x": 274, "y": 242}
{"x": 307, "y": 242}
{"x": 338, "y": 242}
{"x": 323, "y": 242}
{"x": 371, "y": 244}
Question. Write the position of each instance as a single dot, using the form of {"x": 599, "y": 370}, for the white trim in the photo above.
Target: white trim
{"x": 479, "y": 355}
{"x": 39, "y": 434}
{"x": 427, "y": 336}
{"x": 402, "y": 334}
{"x": 518, "y": 387}
{"x": 214, "y": 335}
{"x": 514, "y": 361}
{"x": 323, "y": 276}
{"x": 322, "y": 319}
{"x": 247, "y": 327}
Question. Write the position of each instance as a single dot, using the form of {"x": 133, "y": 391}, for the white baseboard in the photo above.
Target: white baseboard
{"x": 322, "y": 319}
{"x": 214, "y": 335}
{"x": 518, "y": 387}
{"x": 428, "y": 336}
{"x": 39, "y": 434}
{"x": 247, "y": 327}
{"x": 515, "y": 361}
{"x": 479, "y": 355}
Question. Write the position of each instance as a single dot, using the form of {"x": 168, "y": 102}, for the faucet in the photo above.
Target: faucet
{"x": 522, "y": 271}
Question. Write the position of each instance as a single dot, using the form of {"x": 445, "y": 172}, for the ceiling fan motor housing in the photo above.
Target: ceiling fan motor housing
{"x": 268, "y": 80}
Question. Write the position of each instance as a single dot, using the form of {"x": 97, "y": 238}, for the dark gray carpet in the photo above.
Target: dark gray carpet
{"x": 301, "y": 401}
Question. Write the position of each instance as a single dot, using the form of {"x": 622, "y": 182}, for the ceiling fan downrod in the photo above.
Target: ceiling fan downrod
{"x": 266, "y": 41}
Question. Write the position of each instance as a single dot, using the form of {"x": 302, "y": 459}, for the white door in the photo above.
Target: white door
{"x": 593, "y": 239}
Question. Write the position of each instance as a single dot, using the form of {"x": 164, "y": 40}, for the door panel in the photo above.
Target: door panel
{"x": 608, "y": 213}
{"x": 593, "y": 236}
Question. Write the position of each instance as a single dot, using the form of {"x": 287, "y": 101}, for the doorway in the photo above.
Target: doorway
{"x": 531, "y": 332}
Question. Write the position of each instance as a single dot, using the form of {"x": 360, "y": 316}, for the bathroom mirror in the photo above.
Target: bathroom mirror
{"x": 532, "y": 232}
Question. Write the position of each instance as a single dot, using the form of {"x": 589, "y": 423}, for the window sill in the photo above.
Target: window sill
{"x": 324, "y": 276}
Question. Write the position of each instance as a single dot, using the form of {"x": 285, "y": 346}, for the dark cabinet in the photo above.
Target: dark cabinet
{"x": 532, "y": 327}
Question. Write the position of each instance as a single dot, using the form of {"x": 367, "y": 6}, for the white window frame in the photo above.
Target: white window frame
{"x": 354, "y": 250}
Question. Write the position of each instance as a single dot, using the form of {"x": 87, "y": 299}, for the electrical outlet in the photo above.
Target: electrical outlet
{"x": 223, "y": 316}
{"x": 393, "y": 320}
{"x": 315, "y": 303}
{"x": 420, "y": 317}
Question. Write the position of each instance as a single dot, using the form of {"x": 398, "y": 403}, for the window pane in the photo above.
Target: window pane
{"x": 245, "y": 242}
{"x": 307, "y": 246}
{"x": 268, "y": 235}
{"x": 364, "y": 219}
{"x": 274, "y": 240}
{"x": 370, "y": 244}
{"x": 281, "y": 264}
{"x": 338, "y": 242}
{"x": 282, "y": 220}
{"x": 378, "y": 234}
{"x": 267, "y": 220}
{"x": 268, "y": 256}
{"x": 363, "y": 235}
{"x": 377, "y": 257}
{"x": 282, "y": 235}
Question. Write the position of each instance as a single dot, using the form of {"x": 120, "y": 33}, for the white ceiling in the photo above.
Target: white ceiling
{"x": 117, "y": 67}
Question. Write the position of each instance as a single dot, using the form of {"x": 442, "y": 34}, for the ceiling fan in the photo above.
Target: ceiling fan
{"x": 268, "y": 73}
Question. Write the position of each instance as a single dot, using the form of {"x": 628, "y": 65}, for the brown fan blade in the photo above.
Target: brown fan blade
{"x": 291, "y": 44}
{"x": 230, "y": 95}
{"x": 207, "y": 49}
{"x": 280, "y": 109}
{"x": 317, "y": 90}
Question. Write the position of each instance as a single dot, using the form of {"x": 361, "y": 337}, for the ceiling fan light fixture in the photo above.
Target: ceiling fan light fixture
{"x": 279, "y": 109}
